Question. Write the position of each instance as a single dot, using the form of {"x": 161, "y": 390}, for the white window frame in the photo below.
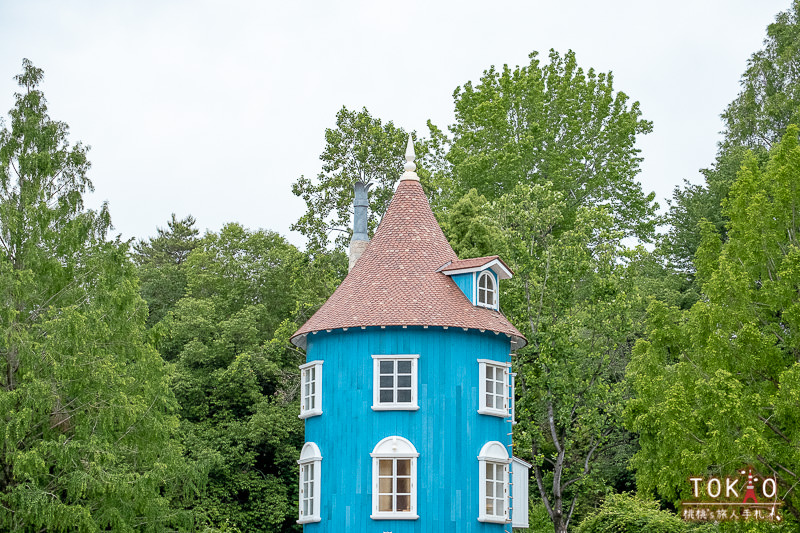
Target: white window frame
{"x": 377, "y": 405}
{"x": 481, "y": 275}
{"x": 394, "y": 448}
{"x": 495, "y": 454}
{"x": 310, "y": 462}
{"x": 311, "y": 404}
{"x": 483, "y": 407}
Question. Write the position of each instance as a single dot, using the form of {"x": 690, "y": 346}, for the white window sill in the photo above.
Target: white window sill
{"x": 492, "y": 307}
{"x": 395, "y": 407}
{"x": 494, "y": 519}
{"x": 394, "y": 516}
{"x": 309, "y": 520}
{"x": 308, "y": 414}
{"x": 493, "y": 412}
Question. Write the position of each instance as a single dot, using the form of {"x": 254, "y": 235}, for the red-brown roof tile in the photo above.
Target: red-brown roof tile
{"x": 474, "y": 262}
{"x": 396, "y": 283}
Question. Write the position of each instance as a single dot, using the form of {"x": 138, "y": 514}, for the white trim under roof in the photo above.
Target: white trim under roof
{"x": 496, "y": 265}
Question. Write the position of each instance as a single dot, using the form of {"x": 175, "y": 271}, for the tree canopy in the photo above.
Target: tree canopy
{"x": 88, "y": 440}
{"x": 717, "y": 386}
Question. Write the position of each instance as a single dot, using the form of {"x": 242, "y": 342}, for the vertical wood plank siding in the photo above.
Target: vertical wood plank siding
{"x": 447, "y": 430}
{"x": 466, "y": 282}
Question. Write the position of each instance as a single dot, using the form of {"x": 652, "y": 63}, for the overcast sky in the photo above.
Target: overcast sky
{"x": 214, "y": 108}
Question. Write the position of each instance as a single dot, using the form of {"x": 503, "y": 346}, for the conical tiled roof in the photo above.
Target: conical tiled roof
{"x": 396, "y": 283}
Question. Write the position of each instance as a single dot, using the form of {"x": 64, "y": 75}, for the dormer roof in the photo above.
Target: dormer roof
{"x": 398, "y": 282}
{"x": 476, "y": 264}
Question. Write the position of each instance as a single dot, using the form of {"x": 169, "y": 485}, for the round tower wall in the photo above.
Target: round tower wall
{"x": 446, "y": 430}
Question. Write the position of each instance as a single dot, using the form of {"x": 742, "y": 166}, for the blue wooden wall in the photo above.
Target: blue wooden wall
{"x": 447, "y": 430}
{"x": 466, "y": 282}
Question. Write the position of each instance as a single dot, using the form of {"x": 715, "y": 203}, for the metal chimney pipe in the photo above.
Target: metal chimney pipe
{"x": 360, "y": 237}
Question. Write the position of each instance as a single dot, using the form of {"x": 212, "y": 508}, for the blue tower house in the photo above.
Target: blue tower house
{"x": 407, "y": 393}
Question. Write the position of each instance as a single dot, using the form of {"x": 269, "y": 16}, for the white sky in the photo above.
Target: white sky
{"x": 215, "y": 108}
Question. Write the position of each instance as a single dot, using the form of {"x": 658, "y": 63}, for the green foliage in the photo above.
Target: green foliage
{"x": 470, "y": 228}
{"x": 717, "y": 385}
{"x": 552, "y": 149}
{"x": 770, "y": 97}
{"x": 553, "y": 123}
{"x": 755, "y": 120}
{"x": 579, "y": 307}
{"x": 236, "y": 376}
{"x": 360, "y": 148}
{"x": 625, "y": 513}
{"x": 161, "y": 262}
{"x": 88, "y": 435}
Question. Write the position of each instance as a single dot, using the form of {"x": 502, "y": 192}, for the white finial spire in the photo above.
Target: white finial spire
{"x": 410, "y": 167}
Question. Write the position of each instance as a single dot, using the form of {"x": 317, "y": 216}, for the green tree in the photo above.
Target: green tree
{"x": 549, "y": 148}
{"x": 576, "y": 302}
{"x": 470, "y": 228}
{"x": 236, "y": 376}
{"x": 359, "y": 149}
{"x": 717, "y": 387}
{"x": 755, "y": 120}
{"x": 553, "y": 123}
{"x": 162, "y": 265}
{"x": 88, "y": 433}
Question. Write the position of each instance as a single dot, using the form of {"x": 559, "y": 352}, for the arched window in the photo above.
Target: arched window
{"x": 394, "y": 480}
{"x": 487, "y": 290}
{"x": 310, "y": 469}
{"x": 493, "y": 462}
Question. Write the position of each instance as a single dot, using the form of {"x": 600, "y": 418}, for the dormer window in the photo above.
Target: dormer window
{"x": 487, "y": 290}
{"x": 478, "y": 278}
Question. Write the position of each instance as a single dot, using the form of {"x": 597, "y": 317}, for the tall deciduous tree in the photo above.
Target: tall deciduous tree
{"x": 718, "y": 386}
{"x": 553, "y": 123}
{"x": 552, "y": 149}
{"x": 576, "y": 302}
{"x": 88, "y": 435}
{"x": 359, "y": 149}
{"x": 755, "y": 120}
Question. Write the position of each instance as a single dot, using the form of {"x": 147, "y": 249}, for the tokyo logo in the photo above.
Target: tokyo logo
{"x": 717, "y": 499}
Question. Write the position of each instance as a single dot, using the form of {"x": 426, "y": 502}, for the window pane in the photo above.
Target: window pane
{"x": 499, "y": 387}
{"x": 385, "y": 485}
{"x": 403, "y": 504}
{"x": 490, "y": 506}
{"x": 385, "y": 467}
{"x": 404, "y": 485}
{"x": 489, "y": 472}
{"x": 387, "y": 382}
{"x": 310, "y": 472}
{"x": 404, "y": 396}
{"x": 306, "y": 507}
{"x": 489, "y": 400}
{"x": 489, "y": 372}
{"x": 387, "y": 367}
{"x": 305, "y": 473}
{"x": 403, "y": 382}
{"x": 489, "y": 489}
{"x": 404, "y": 367}
{"x": 385, "y": 503}
{"x": 312, "y": 372}
{"x": 386, "y": 396}
{"x": 404, "y": 467}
